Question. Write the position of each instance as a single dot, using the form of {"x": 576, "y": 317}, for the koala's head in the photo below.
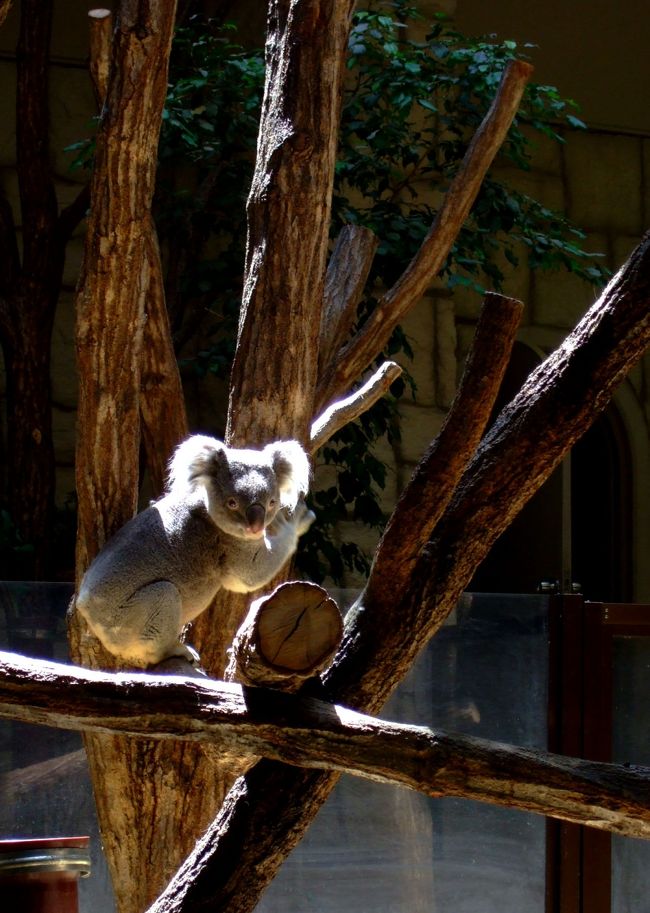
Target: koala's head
{"x": 244, "y": 488}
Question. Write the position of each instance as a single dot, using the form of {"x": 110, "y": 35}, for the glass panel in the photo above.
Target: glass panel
{"x": 631, "y": 721}
{"x": 377, "y": 849}
{"x": 44, "y": 783}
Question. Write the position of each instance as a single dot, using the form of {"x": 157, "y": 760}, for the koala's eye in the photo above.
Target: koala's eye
{"x": 273, "y": 502}
{"x": 232, "y": 503}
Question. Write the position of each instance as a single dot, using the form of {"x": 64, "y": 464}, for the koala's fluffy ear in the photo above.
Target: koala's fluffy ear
{"x": 291, "y": 466}
{"x": 191, "y": 460}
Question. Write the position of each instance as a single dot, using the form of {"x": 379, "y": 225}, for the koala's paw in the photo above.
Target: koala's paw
{"x": 303, "y": 517}
{"x": 183, "y": 661}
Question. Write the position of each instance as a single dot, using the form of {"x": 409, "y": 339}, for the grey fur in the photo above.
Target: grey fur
{"x": 229, "y": 519}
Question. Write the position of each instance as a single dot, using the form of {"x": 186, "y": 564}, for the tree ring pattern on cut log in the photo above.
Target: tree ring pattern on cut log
{"x": 288, "y": 636}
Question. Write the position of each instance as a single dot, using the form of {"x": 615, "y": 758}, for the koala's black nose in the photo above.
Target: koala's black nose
{"x": 255, "y": 516}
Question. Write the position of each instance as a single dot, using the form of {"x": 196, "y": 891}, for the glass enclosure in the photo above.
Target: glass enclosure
{"x": 377, "y": 849}
{"x": 631, "y": 687}
{"x": 372, "y": 848}
{"x": 45, "y": 788}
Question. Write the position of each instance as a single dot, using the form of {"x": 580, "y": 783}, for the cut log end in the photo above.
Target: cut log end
{"x": 287, "y": 636}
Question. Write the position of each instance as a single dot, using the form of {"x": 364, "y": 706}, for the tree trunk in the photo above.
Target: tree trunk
{"x": 148, "y": 815}
{"x": 276, "y": 364}
{"x": 30, "y": 296}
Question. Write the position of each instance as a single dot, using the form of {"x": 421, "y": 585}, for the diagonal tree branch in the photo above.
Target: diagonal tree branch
{"x": 438, "y": 473}
{"x": 346, "y": 410}
{"x": 308, "y": 732}
{"x": 563, "y": 397}
{"x": 407, "y": 291}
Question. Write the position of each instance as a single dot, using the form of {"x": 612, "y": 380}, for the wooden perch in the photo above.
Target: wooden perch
{"x": 346, "y": 410}
{"x": 558, "y": 403}
{"x": 347, "y": 272}
{"x": 101, "y": 28}
{"x": 287, "y": 637}
{"x": 409, "y": 288}
{"x": 435, "y": 478}
{"x": 308, "y": 732}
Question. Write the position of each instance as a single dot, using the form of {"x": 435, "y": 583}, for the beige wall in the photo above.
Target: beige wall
{"x": 600, "y": 179}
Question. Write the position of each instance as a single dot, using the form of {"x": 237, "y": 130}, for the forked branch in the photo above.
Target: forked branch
{"x": 407, "y": 291}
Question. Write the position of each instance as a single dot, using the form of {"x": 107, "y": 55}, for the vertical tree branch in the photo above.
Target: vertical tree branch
{"x": 101, "y": 28}
{"x": 275, "y": 369}
{"x": 162, "y": 405}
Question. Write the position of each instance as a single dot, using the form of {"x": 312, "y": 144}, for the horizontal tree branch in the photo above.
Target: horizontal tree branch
{"x": 343, "y": 411}
{"x": 307, "y": 732}
{"x": 427, "y": 263}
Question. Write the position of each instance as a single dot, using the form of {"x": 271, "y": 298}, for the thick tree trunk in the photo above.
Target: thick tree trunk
{"x": 276, "y": 365}
{"x": 30, "y": 293}
{"x": 148, "y": 814}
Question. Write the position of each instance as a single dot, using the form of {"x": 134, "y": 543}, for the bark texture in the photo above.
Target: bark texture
{"x": 140, "y": 801}
{"x": 276, "y": 366}
{"x": 310, "y": 732}
{"x": 566, "y": 393}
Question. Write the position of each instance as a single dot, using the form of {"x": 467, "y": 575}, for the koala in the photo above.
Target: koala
{"x": 228, "y": 519}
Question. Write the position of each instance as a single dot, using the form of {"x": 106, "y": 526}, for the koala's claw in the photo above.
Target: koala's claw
{"x": 304, "y": 518}
{"x": 188, "y": 653}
